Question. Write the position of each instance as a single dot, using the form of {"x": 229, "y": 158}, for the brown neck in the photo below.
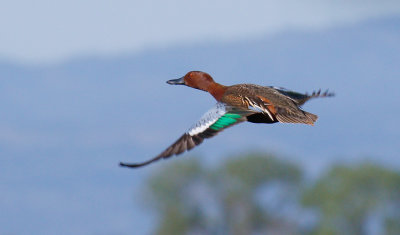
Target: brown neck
{"x": 217, "y": 90}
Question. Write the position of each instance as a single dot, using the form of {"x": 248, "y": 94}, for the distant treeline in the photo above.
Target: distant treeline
{"x": 263, "y": 194}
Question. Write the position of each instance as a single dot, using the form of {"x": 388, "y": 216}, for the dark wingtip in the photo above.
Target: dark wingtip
{"x": 135, "y": 165}
{"x": 329, "y": 94}
{"x": 129, "y": 165}
{"x": 319, "y": 93}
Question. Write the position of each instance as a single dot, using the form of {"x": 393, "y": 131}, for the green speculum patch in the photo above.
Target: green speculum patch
{"x": 224, "y": 121}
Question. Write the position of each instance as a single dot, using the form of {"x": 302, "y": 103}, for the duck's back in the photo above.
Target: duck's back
{"x": 275, "y": 104}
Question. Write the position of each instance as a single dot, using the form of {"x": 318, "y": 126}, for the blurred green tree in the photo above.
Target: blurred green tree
{"x": 356, "y": 200}
{"x": 252, "y": 194}
{"x": 261, "y": 194}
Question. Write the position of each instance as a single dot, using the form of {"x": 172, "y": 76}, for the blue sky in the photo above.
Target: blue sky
{"x": 44, "y": 31}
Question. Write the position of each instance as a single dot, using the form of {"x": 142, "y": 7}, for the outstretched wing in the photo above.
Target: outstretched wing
{"x": 218, "y": 118}
{"x": 300, "y": 98}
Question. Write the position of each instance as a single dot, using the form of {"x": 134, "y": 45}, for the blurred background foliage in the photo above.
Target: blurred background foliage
{"x": 263, "y": 194}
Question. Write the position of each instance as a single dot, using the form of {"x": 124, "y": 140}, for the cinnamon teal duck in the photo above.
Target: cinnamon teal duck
{"x": 236, "y": 104}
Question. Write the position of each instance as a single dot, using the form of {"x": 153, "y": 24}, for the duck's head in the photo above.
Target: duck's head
{"x": 196, "y": 79}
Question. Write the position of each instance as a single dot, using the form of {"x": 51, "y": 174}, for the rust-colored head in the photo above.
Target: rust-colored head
{"x": 195, "y": 79}
{"x": 202, "y": 81}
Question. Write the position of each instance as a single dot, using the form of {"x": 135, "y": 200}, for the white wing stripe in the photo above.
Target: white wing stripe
{"x": 209, "y": 118}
